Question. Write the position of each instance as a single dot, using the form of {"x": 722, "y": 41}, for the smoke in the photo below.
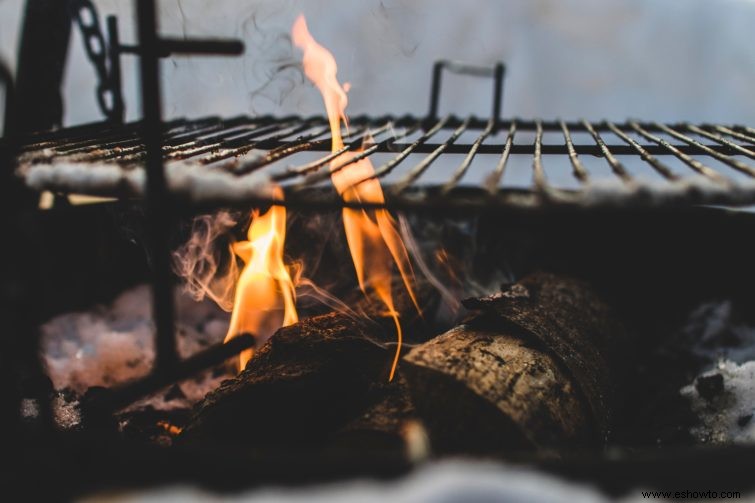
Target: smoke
{"x": 450, "y": 304}
{"x": 274, "y": 63}
{"x": 206, "y": 261}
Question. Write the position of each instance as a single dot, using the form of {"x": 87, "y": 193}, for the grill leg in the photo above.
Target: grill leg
{"x": 158, "y": 205}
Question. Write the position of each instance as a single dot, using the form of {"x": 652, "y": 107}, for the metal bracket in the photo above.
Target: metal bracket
{"x": 496, "y": 71}
{"x": 165, "y": 47}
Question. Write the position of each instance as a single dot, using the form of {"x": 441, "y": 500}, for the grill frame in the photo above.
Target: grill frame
{"x": 255, "y": 150}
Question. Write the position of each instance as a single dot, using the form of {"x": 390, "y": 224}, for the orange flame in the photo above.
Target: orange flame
{"x": 265, "y": 296}
{"x": 373, "y": 239}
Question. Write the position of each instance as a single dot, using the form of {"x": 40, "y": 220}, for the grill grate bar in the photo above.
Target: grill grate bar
{"x": 616, "y": 166}
{"x": 420, "y": 168}
{"x": 579, "y": 171}
{"x": 304, "y": 142}
{"x": 132, "y": 150}
{"x": 238, "y": 146}
{"x": 660, "y": 167}
{"x": 390, "y": 165}
{"x": 739, "y": 166}
{"x": 231, "y": 143}
{"x": 320, "y": 176}
{"x": 735, "y": 134}
{"x": 720, "y": 139}
{"x": 315, "y": 165}
{"x": 537, "y": 160}
{"x": 689, "y": 161}
{"x": 492, "y": 181}
{"x": 464, "y": 166}
{"x": 61, "y": 146}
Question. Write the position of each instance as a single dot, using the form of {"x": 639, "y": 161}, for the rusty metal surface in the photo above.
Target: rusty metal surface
{"x": 423, "y": 163}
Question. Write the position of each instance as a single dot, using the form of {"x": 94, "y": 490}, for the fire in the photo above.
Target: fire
{"x": 265, "y": 297}
{"x": 374, "y": 241}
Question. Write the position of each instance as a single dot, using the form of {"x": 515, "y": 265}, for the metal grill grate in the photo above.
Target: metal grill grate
{"x": 445, "y": 162}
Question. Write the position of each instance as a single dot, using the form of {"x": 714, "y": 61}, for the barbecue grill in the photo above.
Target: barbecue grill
{"x": 247, "y": 154}
{"x": 433, "y": 164}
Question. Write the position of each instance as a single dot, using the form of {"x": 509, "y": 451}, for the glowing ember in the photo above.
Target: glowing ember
{"x": 373, "y": 239}
{"x": 265, "y": 297}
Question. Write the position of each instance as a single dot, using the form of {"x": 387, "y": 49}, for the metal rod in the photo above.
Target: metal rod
{"x": 390, "y": 165}
{"x": 420, "y": 168}
{"x": 735, "y": 134}
{"x": 85, "y": 143}
{"x": 116, "y": 80}
{"x": 721, "y": 140}
{"x": 537, "y": 160}
{"x": 464, "y": 166}
{"x": 129, "y": 148}
{"x": 228, "y": 143}
{"x": 320, "y": 176}
{"x": 496, "y": 71}
{"x": 42, "y": 55}
{"x": 661, "y": 168}
{"x": 206, "y": 47}
{"x": 158, "y": 202}
{"x": 580, "y": 173}
{"x": 122, "y": 396}
{"x": 734, "y": 163}
{"x": 239, "y": 146}
{"x": 491, "y": 183}
{"x": 689, "y": 161}
{"x": 616, "y": 166}
{"x": 276, "y": 153}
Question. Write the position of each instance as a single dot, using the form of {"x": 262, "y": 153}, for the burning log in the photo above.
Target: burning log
{"x": 532, "y": 370}
{"x": 323, "y": 378}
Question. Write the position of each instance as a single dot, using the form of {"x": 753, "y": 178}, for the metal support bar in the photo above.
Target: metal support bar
{"x": 163, "y": 48}
{"x": 158, "y": 202}
{"x": 41, "y": 61}
{"x": 496, "y": 71}
{"x": 116, "y": 79}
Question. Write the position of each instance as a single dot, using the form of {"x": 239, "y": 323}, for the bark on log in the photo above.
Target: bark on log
{"x": 308, "y": 384}
{"x": 534, "y": 369}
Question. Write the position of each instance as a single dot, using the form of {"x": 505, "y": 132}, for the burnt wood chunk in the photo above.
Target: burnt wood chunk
{"x": 533, "y": 369}
{"x": 309, "y": 382}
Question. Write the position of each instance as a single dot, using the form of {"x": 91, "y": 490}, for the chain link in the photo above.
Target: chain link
{"x": 86, "y": 17}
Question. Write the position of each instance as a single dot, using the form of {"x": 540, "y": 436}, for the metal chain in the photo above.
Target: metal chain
{"x": 86, "y": 17}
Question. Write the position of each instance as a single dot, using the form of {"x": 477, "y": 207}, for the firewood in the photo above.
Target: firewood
{"x": 307, "y": 383}
{"x": 533, "y": 369}
{"x": 389, "y": 424}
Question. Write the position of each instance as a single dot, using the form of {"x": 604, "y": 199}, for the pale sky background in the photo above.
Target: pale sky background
{"x": 650, "y": 59}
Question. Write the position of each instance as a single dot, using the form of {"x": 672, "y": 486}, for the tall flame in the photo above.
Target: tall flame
{"x": 265, "y": 296}
{"x": 374, "y": 241}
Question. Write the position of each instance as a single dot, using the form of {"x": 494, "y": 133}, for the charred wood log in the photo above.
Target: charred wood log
{"x": 309, "y": 383}
{"x": 533, "y": 369}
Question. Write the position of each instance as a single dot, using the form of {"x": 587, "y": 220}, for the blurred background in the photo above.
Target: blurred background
{"x": 665, "y": 60}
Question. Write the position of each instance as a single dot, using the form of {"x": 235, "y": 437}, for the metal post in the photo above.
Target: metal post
{"x": 158, "y": 204}
{"x": 41, "y": 61}
{"x": 114, "y": 55}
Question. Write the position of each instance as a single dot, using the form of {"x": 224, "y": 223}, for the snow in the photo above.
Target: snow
{"x": 446, "y": 481}
{"x": 113, "y": 343}
{"x": 726, "y": 417}
{"x": 726, "y": 346}
{"x": 191, "y": 180}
